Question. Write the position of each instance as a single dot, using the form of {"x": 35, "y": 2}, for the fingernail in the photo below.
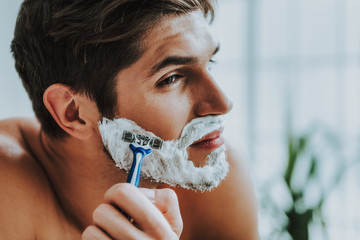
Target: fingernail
{"x": 149, "y": 193}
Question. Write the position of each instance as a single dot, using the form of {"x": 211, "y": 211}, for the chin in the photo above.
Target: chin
{"x": 198, "y": 153}
{"x": 198, "y": 157}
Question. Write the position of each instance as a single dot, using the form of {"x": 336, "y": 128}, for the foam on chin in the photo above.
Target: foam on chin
{"x": 170, "y": 164}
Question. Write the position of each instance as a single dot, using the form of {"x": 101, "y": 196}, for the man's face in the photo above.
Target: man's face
{"x": 170, "y": 84}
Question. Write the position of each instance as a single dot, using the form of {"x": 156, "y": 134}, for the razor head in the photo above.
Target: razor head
{"x": 142, "y": 140}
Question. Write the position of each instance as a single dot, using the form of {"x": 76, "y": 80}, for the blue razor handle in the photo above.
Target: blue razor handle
{"x": 139, "y": 154}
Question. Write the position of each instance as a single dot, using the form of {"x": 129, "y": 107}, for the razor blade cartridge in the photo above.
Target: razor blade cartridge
{"x": 142, "y": 140}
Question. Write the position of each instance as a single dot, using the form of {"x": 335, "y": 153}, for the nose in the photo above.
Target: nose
{"x": 210, "y": 99}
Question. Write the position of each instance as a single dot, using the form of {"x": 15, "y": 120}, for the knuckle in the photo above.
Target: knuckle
{"x": 123, "y": 189}
{"x": 168, "y": 235}
{"x": 100, "y": 211}
{"x": 160, "y": 228}
{"x": 136, "y": 238}
{"x": 88, "y": 233}
{"x": 119, "y": 191}
{"x": 169, "y": 196}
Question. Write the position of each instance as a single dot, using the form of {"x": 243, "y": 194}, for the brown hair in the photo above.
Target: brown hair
{"x": 84, "y": 44}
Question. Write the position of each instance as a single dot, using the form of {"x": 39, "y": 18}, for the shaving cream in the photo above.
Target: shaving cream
{"x": 170, "y": 164}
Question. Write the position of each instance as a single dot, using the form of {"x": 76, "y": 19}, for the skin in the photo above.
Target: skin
{"x": 175, "y": 94}
{"x": 69, "y": 189}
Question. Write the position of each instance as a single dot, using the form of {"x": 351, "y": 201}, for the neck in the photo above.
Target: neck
{"x": 80, "y": 173}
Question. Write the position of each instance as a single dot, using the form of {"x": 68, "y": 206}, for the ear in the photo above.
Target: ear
{"x": 75, "y": 113}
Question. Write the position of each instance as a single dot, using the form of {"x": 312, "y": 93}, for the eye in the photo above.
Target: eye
{"x": 167, "y": 82}
{"x": 211, "y": 64}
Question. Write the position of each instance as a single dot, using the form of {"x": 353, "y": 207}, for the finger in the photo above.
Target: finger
{"x": 94, "y": 233}
{"x": 167, "y": 202}
{"x": 147, "y": 217}
{"x": 115, "y": 224}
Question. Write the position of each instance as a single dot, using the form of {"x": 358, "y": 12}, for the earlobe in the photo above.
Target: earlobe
{"x": 64, "y": 106}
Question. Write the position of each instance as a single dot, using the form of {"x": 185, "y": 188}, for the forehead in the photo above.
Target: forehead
{"x": 184, "y": 35}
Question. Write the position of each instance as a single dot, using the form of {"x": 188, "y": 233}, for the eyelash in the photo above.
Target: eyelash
{"x": 211, "y": 63}
{"x": 165, "y": 83}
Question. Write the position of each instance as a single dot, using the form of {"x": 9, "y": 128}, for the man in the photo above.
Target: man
{"x": 146, "y": 61}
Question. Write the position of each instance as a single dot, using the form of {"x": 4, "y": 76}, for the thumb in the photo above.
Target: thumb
{"x": 167, "y": 202}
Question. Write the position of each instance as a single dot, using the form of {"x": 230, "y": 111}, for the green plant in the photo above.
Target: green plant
{"x": 292, "y": 200}
{"x": 306, "y": 166}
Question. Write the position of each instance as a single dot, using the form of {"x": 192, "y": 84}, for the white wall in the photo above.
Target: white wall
{"x": 13, "y": 98}
{"x": 296, "y": 64}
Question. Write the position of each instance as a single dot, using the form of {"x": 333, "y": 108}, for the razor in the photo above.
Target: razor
{"x": 141, "y": 146}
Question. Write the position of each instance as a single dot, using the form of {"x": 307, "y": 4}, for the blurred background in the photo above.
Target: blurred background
{"x": 292, "y": 69}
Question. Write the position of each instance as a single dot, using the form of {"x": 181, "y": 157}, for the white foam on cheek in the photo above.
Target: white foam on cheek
{"x": 170, "y": 164}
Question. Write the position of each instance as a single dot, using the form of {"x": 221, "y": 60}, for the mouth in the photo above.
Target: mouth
{"x": 210, "y": 141}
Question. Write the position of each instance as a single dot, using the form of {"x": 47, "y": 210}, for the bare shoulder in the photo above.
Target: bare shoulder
{"x": 24, "y": 187}
{"x": 227, "y": 212}
{"x": 14, "y": 136}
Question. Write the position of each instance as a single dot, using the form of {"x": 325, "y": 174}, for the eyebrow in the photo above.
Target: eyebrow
{"x": 177, "y": 60}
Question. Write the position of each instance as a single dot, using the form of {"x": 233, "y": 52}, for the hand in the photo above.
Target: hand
{"x": 155, "y": 214}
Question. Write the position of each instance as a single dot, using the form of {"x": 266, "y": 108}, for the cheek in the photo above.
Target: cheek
{"x": 167, "y": 120}
{"x": 165, "y": 115}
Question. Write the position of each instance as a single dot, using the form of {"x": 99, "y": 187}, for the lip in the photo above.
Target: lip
{"x": 212, "y": 140}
